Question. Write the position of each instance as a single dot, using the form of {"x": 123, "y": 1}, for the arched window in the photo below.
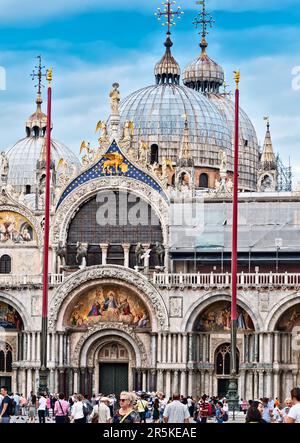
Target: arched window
{"x": 203, "y": 182}
{"x": 28, "y": 189}
{"x": 5, "y": 358}
{"x": 223, "y": 360}
{"x": 154, "y": 154}
{"x": 5, "y": 264}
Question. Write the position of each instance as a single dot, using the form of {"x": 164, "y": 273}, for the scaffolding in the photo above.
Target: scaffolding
{"x": 284, "y": 176}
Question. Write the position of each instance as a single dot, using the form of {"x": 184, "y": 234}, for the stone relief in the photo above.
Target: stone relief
{"x": 176, "y": 305}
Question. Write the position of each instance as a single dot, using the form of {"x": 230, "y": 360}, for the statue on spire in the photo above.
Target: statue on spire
{"x": 115, "y": 99}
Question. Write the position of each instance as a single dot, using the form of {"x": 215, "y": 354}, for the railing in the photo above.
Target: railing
{"x": 11, "y": 280}
{"x": 214, "y": 280}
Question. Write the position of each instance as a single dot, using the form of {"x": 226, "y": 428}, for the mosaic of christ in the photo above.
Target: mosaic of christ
{"x": 217, "y": 317}
{"x": 109, "y": 304}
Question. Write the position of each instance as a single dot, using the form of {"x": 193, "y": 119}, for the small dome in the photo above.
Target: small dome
{"x": 204, "y": 74}
{"x": 24, "y": 155}
{"x": 167, "y": 70}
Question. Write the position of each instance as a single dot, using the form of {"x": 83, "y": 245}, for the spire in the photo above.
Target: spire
{"x": 167, "y": 70}
{"x": 205, "y": 20}
{"x": 185, "y": 159}
{"x": 36, "y": 125}
{"x": 268, "y": 159}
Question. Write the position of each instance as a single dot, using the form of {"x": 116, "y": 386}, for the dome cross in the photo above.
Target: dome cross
{"x": 203, "y": 18}
{"x": 39, "y": 74}
{"x": 169, "y": 14}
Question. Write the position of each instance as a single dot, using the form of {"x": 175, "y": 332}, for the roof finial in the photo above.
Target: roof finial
{"x": 204, "y": 19}
{"x": 169, "y": 14}
{"x": 39, "y": 74}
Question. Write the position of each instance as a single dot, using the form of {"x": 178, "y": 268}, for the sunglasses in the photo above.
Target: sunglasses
{"x": 123, "y": 399}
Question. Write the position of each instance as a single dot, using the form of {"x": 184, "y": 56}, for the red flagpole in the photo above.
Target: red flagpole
{"x": 235, "y": 202}
{"x": 233, "y": 384}
{"x": 43, "y": 375}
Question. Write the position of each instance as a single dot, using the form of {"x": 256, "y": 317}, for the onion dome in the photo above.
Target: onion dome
{"x": 25, "y": 154}
{"x": 248, "y": 143}
{"x": 167, "y": 70}
{"x": 268, "y": 159}
{"x": 204, "y": 74}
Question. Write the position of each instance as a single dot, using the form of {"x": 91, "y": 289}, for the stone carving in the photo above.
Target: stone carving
{"x": 115, "y": 99}
{"x": 4, "y": 166}
{"x": 223, "y": 161}
{"x": 160, "y": 254}
{"x": 139, "y": 251}
{"x": 118, "y": 273}
{"x": 81, "y": 254}
{"x": 61, "y": 254}
{"x": 114, "y": 326}
{"x": 175, "y": 306}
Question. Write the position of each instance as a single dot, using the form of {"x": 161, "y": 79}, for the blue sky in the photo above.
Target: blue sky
{"x": 92, "y": 43}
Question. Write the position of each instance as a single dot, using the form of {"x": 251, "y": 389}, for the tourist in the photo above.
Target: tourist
{"x": 255, "y": 412}
{"x": 244, "y": 406}
{"x": 23, "y": 403}
{"x": 48, "y": 405}
{"x": 203, "y": 410}
{"x": 17, "y": 402}
{"x": 155, "y": 411}
{"x": 176, "y": 412}
{"x": 77, "y": 414}
{"x": 286, "y": 409}
{"x": 87, "y": 407}
{"x": 268, "y": 411}
{"x": 42, "y": 409}
{"x": 5, "y": 406}
{"x": 101, "y": 411}
{"x": 126, "y": 413}
{"x": 219, "y": 412}
{"x": 32, "y": 408}
{"x": 293, "y": 415}
{"x": 142, "y": 408}
{"x": 61, "y": 409}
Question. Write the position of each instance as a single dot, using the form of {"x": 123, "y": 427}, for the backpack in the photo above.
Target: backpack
{"x": 12, "y": 407}
{"x": 225, "y": 417}
{"x": 87, "y": 408}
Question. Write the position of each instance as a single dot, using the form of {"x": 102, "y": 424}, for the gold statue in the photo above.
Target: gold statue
{"x": 115, "y": 99}
{"x": 115, "y": 160}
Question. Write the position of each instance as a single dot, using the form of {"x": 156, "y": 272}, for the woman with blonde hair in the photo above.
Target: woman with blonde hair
{"x": 77, "y": 410}
{"x": 126, "y": 413}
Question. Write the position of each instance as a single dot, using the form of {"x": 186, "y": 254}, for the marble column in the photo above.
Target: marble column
{"x": 61, "y": 342}
{"x": 15, "y": 380}
{"x": 23, "y": 381}
{"x": 29, "y": 381}
{"x": 211, "y": 381}
{"x": 52, "y": 380}
{"x": 144, "y": 381}
{"x": 160, "y": 383}
{"x": 261, "y": 347}
{"x": 190, "y": 345}
{"x": 276, "y": 379}
{"x": 33, "y": 347}
{"x": 146, "y": 246}
{"x": 174, "y": 348}
{"x": 261, "y": 383}
{"x": 75, "y": 380}
{"x": 276, "y": 347}
{"x": 104, "y": 249}
{"x": 38, "y": 346}
{"x": 184, "y": 348}
{"x": 53, "y": 353}
{"x": 190, "y": 382}
{"x": 159, "y": 348}
{"x": 164, "y": 350}
{"x": 166, "y": 259}
{"x": 255, "y": 384}
{"x": 168, "y": 384}
{"x": 28, "y": 357}
{"x": 153, "y": 350}
{"x": 269, "y": 391}
{"x": 179, "y": 348}
{"x": 242, "y": 384}
{"x": 126, "y": 249}
{"x": 82, "y": 380}
{"x": 183, "y": 383}
{"x": 175, "y": 382}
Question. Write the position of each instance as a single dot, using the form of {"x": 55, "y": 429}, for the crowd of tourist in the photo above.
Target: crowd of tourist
{"x": 142, "y": 407}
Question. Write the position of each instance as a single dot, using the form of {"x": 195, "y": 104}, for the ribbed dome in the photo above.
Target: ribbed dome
{"x": 204, "y": 74}
{"x": 167, "y": 70}
{"x": 23, "y": 158}
{"x": 158, "y": 113}
{"x": 248, "y": 146}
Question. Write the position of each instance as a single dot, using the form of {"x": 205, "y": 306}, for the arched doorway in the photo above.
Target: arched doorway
{"x": 222, "y": 367}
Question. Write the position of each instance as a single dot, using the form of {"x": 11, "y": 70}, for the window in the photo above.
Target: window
{"x": 203, "y": 182}
{"x": 154, "y": 154}
{"x": 223, "y": 360}
{"x": 28, "y": 189}
{"x": 5, "y": 264}
{"x": 5, "y": 357}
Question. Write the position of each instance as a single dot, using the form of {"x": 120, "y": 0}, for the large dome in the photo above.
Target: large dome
{"x": 23, "y": 157}
{"x": 158, "y": 113}
{"x": 248, "y": 145}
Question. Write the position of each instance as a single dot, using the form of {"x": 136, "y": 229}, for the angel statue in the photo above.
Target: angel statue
{"x": 101, "y": 126}
{"x": 115, "y": 99}
{"x": 89, "y": 153}
{"x": 143, "y": 152}
{"x": 223, "y": 161}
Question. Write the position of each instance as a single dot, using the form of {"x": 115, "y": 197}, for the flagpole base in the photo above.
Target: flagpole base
{"x": 43, "y": 381}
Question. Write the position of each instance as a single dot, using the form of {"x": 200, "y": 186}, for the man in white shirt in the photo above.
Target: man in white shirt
{"x": 176, "y": 412}
{"x": 42, "y": 409}
{"x": 293, "y": 415}
{"x": 102, "y": 410}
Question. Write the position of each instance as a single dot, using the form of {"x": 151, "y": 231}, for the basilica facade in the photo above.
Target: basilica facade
{"x": 138, "y": 298}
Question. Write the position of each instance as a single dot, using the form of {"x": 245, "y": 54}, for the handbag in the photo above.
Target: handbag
{"x": 67, "y": 418}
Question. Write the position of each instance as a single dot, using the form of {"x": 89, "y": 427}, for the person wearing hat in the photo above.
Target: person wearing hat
{"x": 101, "y": 411}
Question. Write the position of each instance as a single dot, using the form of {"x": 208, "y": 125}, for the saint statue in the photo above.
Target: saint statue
{"x": 115, "y": 99}
{"x": 139, "y": 252}
{"x": 223, "y": 161}
{"x": 4, "y": 165}
{"x": 159, "y": 252}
